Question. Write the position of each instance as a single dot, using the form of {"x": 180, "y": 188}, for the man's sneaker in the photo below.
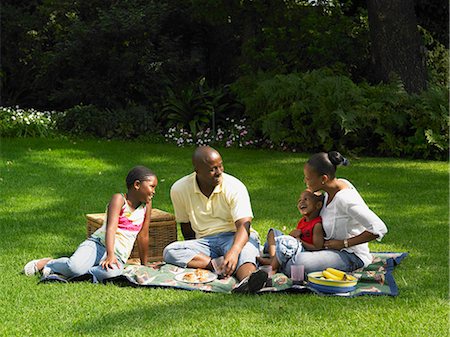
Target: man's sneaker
{"x": 242, "y": 287}
{"x": 253, "y": 283}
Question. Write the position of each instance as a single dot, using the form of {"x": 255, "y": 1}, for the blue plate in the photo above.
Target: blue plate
{"x": 330, "y": 289}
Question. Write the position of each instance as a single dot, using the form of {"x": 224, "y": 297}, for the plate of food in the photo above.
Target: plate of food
{"x": 196, "y": 276}
{"x": 333, "y": 278}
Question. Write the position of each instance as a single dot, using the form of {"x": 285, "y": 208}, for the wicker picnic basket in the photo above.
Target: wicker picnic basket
{"x": 162, "y": 231}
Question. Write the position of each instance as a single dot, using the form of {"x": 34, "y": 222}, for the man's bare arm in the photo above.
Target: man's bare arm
{"x": 186, "y": 230}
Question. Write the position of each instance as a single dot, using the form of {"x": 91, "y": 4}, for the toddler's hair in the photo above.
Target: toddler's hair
{"x": 138, "y": 173}
{"x": 325, "y": 163}
{"x": 318, "y": 196}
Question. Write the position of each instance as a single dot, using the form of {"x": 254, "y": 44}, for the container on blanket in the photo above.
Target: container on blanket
{"x": 317, "y": 281}
{"x": 162, "y": 231}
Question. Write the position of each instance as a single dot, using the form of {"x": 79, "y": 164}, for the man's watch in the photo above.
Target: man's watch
{"x": 346, "y": 243}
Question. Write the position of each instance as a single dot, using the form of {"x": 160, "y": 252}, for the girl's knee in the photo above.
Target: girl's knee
{"x": 101, "y": 274}
{"x": 77, "y": 268}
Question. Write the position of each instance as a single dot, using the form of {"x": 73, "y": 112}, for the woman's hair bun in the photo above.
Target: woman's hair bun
{"x": 337, "y": 159}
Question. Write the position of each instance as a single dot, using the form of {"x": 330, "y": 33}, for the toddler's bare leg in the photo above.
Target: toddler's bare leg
{"x": 271, "y": 242}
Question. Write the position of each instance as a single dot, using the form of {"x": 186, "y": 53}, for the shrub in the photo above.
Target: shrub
{"x": 310, "y": 112}
{"x": 190, "y": 107}
{"x": 128, "y": 122}
{"x": 16, "y": 122}
{"x": 196, "y": 106}
{"x": 323, "y": 110}
{"x": 430, "y": 120}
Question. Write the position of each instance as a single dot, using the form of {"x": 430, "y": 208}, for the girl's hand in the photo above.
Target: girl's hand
{"x": 333, "y": 244}
{"x": 109, "y": 262}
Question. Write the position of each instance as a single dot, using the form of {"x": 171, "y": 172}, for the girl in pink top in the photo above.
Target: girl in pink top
{"x": 104, "y": 254}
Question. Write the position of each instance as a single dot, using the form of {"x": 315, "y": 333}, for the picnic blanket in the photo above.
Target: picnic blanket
{"x": 375, "y": 279}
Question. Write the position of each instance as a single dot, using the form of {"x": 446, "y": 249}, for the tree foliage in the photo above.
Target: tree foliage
{"x": 95, "y": 52}
{"x": 127, "y": 68}
{"x": 61, "y": 53}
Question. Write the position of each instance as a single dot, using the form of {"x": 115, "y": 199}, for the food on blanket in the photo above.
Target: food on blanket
{"x": 322, "y": 283}
{"x": 336, "y": 272}
{"x": 331, "y": 276}
{"x": 190, "y": 277}
{"x": 197, "y": 276}
{"x": 202, "y": 275}
{"x": 339, "y": 275}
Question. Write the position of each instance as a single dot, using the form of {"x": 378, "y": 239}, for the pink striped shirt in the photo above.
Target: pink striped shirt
{"x": 130, "y": 223}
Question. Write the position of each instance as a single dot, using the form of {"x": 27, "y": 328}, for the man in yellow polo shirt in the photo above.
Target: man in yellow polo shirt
{"x": 215, "y": 214}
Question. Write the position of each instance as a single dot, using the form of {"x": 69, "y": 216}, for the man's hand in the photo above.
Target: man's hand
{"x": 187, "y": 231}
{"x": 230, "y": 262}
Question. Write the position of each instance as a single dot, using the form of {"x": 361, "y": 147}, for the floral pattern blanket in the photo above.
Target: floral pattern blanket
{"x": 376, "y": 279}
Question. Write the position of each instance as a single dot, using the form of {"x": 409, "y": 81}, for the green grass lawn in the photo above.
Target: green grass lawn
{"x": 47, "y": 186}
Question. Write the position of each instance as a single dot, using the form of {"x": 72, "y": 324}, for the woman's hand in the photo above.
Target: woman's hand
{"x": 109, "y": 262}
{"x": 333, "y": 244}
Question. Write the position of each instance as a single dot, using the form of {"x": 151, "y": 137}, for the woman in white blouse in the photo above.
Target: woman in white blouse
{"x": 347, "y": 221}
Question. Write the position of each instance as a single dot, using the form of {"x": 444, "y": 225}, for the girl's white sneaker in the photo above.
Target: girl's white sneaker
{"x": 31, "y": 268}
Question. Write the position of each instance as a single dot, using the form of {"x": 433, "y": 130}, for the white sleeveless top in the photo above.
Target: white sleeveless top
{"x": 130, "y": 223}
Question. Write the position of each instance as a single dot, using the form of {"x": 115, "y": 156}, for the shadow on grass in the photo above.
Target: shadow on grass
{"x": 192, "y": 313}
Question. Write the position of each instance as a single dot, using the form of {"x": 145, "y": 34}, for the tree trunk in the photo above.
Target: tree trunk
{"x": 396, "y": 46}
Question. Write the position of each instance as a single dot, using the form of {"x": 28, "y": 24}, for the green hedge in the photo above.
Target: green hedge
{"x": 322, "y": 110}
{"x": 129, "y": 122}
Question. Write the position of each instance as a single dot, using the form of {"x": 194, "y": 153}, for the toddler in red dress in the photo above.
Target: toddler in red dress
{"x": 308, "y": 234}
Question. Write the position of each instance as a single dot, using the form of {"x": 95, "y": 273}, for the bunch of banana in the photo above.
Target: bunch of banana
{"x": 338, "y": 275}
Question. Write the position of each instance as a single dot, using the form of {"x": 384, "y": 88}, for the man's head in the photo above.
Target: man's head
{"x": 208, "y": 166}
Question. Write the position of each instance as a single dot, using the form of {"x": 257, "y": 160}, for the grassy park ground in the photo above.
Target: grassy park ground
{"x": 47, "y": 187}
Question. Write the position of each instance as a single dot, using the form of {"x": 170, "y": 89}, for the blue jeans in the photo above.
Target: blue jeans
{"x": 181, "y": 252}
{"x": 290, "y": 251}
{"x": 276, "y": 233}
{"x": 86, "y": 260}
{"x": 322, "y": 259}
